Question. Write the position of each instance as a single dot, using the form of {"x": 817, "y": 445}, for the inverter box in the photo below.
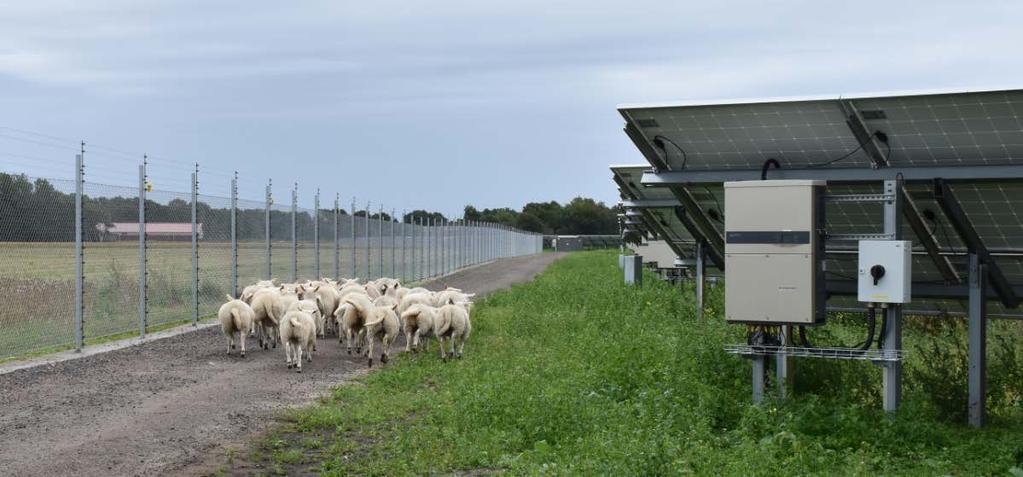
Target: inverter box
{"x": 774, "y": 252}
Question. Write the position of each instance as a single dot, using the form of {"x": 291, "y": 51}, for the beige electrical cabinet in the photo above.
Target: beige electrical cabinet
{"x": 773, "y": 252}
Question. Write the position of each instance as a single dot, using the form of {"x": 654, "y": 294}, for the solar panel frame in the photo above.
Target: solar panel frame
{"x": 960, "y": 129}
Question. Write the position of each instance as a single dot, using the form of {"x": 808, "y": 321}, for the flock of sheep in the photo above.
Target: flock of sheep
{"x": 295, "y": 314}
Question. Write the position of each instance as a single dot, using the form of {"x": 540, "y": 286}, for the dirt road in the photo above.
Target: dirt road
{"x": 155, "y": 409}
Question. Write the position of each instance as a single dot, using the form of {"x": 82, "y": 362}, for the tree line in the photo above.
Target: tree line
{"x": 35, "y": 211}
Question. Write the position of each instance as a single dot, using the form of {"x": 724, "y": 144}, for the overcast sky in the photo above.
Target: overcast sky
{"x": 441, "y": 103}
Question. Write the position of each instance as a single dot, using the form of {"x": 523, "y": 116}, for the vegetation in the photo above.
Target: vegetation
{"x": 576, "y": 373}
{"x": 580, "y": 216}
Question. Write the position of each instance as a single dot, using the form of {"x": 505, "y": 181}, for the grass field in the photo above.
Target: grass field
{"x": 37, "y": 308}
{"x": 577, "y": 374}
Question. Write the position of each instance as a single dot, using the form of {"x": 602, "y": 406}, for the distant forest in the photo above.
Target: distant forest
{"x": 35, "y": 211}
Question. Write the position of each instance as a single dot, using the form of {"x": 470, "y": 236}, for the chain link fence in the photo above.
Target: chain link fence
{"x": 77, "y": 267}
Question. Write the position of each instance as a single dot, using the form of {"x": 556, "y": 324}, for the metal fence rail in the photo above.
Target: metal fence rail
{"x": 81, "y": 261}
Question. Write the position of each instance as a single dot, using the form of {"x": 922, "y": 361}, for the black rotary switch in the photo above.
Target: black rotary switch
{"x": 877, "y": 271}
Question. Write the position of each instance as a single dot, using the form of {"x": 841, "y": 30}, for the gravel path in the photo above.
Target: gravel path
{"x": 160, "y": 407}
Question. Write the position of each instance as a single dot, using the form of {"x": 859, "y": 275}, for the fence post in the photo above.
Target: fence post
{"x": 380, "y": 239}
{"x": 294, "y": 236}
{"x": 355, "y": 240}
{"x": 316, "y": 232}
{"x": 269, "y": 247}
{"x": 404, "y": 260}
{"x": 394, "y": 251}
{"x": 416, "y": 254}
{"x": 79, "y": 256}
{"x": 195, "y": 247}
{"x": 142, "y": 249}
{"x": 234, "y": 235}
{"x": 369, "y": 248}
{"x": 337, "y": 236}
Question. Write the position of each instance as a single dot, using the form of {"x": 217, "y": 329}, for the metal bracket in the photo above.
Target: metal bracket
{"x": 858, "y": 237}
{"x": 871, "y": 144}
{"x": 964, "y": 228}
{"x": 858, "y": 197}
{"x": 876, "y": 355}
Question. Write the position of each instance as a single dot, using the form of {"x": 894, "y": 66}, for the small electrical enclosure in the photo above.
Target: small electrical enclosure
{"x": 774, "y": 252}
{"x": 885, "y": 271}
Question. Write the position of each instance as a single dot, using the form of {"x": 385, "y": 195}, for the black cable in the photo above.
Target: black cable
{"x": 659, "y": 141}
{"x": 850, "y": 153}
{"x": 767, "y": 165}
{"x": 871, "y": 323}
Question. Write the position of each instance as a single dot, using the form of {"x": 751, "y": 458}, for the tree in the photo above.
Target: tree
{"x": 529, "y": 223}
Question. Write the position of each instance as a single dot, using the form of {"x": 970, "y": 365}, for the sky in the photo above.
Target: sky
{"x": 438, "y": 104}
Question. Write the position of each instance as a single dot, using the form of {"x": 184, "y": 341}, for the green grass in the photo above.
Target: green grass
{"x": 577, "y": 374}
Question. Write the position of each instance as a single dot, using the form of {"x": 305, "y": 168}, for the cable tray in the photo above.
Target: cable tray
{"x": 827, "y": 353}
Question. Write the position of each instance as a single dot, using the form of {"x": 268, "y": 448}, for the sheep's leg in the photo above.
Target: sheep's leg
{"x": 348, "y": 340}
{"x": 298, "y": 362}
{"x": 241, "y": 336}
{"x": 287, "y": 354}
{"x": 408, "y": 341}
{"x": 230, "y": 343}
{"x": 440, "y": 339}
{"x": 369, "y": 349}
{"x": 461, "y": 345}
{"x": 385, "y": 346}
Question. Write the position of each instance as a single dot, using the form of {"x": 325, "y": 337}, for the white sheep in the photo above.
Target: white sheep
{"x": 327, "y": 297}
{"x": 452, "y": 323}
{"x": 267, "y": 310}
{"x": 382, "y": 324}
{"x": 298, "y": 333}
{"x": 235, "y": 317}
{"x": 417, "y": 322}
{"x": 353, "y": 318}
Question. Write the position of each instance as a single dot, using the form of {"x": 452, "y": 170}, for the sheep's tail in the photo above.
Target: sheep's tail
{"x": 229, "y": 297}
{"x": 295, "y": 322}
{"x": 236, "y": 319}
{"x": 269, "y": 307}
{"x": 445, "y": 325}
{"x": 377, "y": 322}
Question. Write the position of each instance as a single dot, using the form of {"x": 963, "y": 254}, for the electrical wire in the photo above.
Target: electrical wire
{"x": 685, "y": 157}
{"x": 850, "y": 153}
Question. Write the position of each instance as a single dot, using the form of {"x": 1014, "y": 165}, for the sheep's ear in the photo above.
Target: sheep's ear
{"x": 394, "y": 307}
{"x": 282, "y": 287}
{"x": 301, "y": 289}
{"x": 316, "y": 289}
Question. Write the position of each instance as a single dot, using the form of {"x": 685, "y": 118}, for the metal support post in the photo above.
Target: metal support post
{"x": 142, "y": 249}
{"x": 337, "y": 236}
{"x": 394, "y": 250}
{"x": 428, "y": 247}
{"x": 380, "y": 239}
{"x": 79, "y": 253}
{"x": 355, "y": 240}
{"x": 369, "y": 258}
{"x": 316, "y": 233}
{"x": 759, "y": 378}
{"x": 195, "y": 247}
{"x": 294, "y": 233}
{"x": 269, "y": 247}
{"x": 892, "y": 379}
{"x": 782, "y": 363}
{"x": 977, "y": 350}
{"x": 700, "y": 269}
{"x": 404, "y": 260}
{"x": 234, "y": 235}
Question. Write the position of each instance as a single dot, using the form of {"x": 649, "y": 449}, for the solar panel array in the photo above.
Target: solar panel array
{"x": 973, "y": 129}
{"x": 630, "y": 177}
{"x": 982, "y": 128}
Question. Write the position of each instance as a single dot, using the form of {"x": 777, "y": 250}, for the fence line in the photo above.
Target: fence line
{"x": 72, "y": 247}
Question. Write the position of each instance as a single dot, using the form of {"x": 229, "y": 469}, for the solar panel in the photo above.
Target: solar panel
{"x": 630, "y": 177}
{"x": 980, "y": 128}
{"x": 966, "y": 129}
